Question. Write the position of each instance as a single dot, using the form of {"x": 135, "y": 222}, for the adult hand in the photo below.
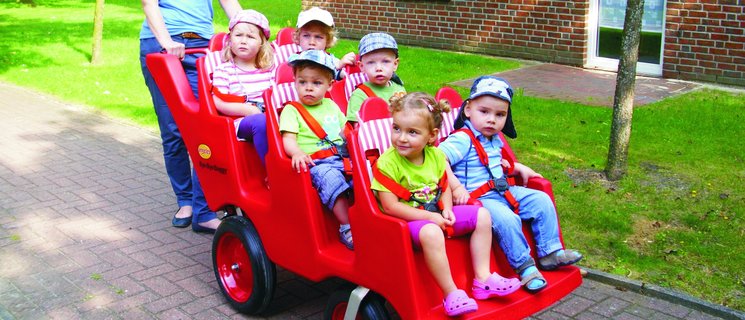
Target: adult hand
{"x": 175, "y": 48}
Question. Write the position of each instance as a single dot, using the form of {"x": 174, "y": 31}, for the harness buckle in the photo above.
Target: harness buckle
{"x": 500, "y": 184}
{"x": 431, "y": 207}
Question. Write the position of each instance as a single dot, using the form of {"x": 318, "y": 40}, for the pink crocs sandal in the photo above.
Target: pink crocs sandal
{"x": 458, "y": 303}
{"x": 495, "y": 285}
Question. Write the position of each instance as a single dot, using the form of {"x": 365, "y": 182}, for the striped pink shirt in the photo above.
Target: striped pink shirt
{"x": 231, "y": 79}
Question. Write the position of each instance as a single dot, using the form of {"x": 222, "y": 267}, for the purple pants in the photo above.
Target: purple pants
{"x": 466, "y": 217}
{"x": 253, "y": 128}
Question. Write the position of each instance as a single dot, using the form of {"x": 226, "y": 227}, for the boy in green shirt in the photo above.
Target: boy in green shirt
{"x": 378, "y": 60}
{"x": 312, "y": 135}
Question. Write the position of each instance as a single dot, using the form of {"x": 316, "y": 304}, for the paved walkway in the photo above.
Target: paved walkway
{"x": 85, "y": 232}
{"x": 548, "y": 80}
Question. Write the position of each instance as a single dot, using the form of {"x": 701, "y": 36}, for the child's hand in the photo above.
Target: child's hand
{"x": 525, "y": 173}
{"x": 505, "y": 163}
{"x": 460, "y": 195}
{"x": 347, "y": 59}
{"x": 302, "y": 161}
{"x": 449, "y": 217}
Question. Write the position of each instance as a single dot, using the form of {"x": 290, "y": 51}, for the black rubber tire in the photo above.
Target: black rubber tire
{"x": 241, "y": 246}
{"x": 372, "y": 307}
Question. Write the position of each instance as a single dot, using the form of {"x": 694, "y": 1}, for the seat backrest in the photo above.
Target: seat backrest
{"x": 338, "y": 95}
{"x": 450, "y": 95}
{"x": 217, "y": 41}
{"x": 374, "y": 125}
{"x": 448, "y": 119}
{"x": 284, "y": 73}
{"x": 211, "y": 60}
{"x": 282, "y": 53}
{"x": 285, "y": 36}
{"x": 355, "y": 76}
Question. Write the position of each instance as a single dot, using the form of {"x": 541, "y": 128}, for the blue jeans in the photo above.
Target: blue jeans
{"x": 537, "y": 208}
{"x": 182, "y": 176}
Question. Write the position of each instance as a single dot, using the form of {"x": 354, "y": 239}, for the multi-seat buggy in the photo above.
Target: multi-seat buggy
{"x": 282, "y": 223}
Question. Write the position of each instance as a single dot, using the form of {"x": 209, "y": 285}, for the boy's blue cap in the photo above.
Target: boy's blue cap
{"x": 375, "y": 41}
{"x": 490, "y": 86}
{"x": 317, "y": 57}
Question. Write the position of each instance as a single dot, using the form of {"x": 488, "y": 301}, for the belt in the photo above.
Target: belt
{"x": 190, "y": 35}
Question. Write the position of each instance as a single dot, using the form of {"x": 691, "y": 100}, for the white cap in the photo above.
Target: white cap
{"x": 317, "y": 14}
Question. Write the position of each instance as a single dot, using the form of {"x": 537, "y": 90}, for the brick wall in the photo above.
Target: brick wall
{"x": 704, "y": 41}
{"x": 552, "y": 31}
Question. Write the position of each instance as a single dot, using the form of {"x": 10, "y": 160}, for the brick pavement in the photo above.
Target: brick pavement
{"x": 85, "y": 232}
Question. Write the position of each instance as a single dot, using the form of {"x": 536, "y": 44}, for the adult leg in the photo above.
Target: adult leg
{"x": 175, "y": 155}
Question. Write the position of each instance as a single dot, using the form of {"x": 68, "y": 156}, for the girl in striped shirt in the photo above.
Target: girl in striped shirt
{"x": 247, "y": 72}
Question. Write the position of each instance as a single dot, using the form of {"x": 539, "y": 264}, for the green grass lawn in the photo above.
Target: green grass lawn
{"x": 675, "y": 220}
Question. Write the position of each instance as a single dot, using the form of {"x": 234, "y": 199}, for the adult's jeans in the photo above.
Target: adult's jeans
{"x": 537, "y": 208}
{"x": 182, "y": 176}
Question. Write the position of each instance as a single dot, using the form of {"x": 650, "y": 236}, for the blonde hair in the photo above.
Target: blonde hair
{"x": 423, "y": 103}
{"x": 330, "y": 32}
{"x": 264, "y": 58}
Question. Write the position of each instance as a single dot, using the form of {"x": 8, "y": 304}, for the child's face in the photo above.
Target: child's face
{"x": 487, "y": 114}
{"x": 312, "y": 36}
{"x": 245, "y": 42}
{"x": 379, "y": 66}
{"x": 311, "y": 84}
{"x": 411, "y": 133}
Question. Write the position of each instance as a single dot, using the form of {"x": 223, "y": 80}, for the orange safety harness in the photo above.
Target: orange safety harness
{"x": 236, "y": 98}
{"x": 397, "y": 189}
{"x": 501, "y": 185}
{"x": 366, "y": 90}
{"x": 321, "y": 134}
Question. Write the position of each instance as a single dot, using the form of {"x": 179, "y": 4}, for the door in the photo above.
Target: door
{"x": 606, "y": 25}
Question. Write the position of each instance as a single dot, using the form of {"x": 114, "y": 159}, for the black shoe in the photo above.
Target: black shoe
{"x": 199, "y": 229}
{"x": 180, "y": 222}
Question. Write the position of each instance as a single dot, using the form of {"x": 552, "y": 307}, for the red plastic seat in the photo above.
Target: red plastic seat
{"x": 217, "y": 41}
{"x": 285, "y": 36}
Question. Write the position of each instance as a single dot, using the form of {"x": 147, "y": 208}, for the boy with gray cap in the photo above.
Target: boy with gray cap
{"x": 379, "y": 61}
{"x": 482, "y": 116}
{"x": 312, "y": 135}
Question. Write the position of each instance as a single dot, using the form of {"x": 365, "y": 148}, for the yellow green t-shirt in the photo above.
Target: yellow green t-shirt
{"x": 328, "y": 115}
{"x": 422, "y": 179}
{"x": 358, "y": 96}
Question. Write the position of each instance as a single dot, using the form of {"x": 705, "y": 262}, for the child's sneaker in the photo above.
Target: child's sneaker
{"x": 559, "y": 258}
{"x": 495, "y": 285}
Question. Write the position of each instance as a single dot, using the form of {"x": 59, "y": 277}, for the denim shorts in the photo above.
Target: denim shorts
{"x": 328, "y": 178}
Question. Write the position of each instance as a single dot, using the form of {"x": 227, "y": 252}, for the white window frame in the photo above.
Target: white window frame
{"x": 608, "y": 64}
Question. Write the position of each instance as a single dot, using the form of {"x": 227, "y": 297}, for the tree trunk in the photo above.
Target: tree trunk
{"x": 96, "y": 58}
{"x": 623, "y": 102}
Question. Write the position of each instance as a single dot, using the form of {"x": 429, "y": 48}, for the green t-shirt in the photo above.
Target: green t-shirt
{"x": 358, "y": 96}
{"x": 421, "y": 180}
{"x": 328, "y": 115}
